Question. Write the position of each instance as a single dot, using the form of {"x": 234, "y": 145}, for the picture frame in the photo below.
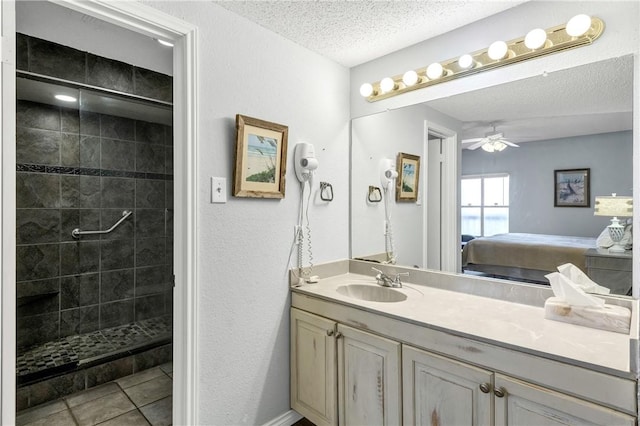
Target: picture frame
{"x": 261, "y": 158}
{"x": 572, "y": 188}
{"x": 408, "y": 168}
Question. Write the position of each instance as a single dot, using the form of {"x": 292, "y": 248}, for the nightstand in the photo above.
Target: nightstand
{"x": 612, "y": 270}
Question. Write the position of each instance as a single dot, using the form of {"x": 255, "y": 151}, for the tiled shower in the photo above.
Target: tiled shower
{"x": 98, "y": 307}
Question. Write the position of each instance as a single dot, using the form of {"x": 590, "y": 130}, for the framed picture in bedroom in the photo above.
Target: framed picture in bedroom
{"x": 408, "y": 177}
{"x": 261, "y": 158}
{"x": 572, "y": 188}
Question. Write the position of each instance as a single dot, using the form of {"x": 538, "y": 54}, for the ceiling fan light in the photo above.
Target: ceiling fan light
{"x": 499, "y": 146}
{"x": 535, "y": 39}
{"x": 488, "y": 147}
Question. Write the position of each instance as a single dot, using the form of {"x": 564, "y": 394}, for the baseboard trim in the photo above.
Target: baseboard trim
{"x": 285, "y": 419}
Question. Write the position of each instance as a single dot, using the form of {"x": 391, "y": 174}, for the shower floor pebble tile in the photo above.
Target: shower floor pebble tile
{"x": 143, "y": 398}
{"x": 72, "y": 349}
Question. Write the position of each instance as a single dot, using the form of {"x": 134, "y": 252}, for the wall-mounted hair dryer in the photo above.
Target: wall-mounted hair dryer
{"x": 388, "y": 172}
{"x": 305, "y": 161}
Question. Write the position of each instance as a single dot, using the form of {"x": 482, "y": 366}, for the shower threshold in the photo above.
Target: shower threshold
{"x": 85, "y": 350}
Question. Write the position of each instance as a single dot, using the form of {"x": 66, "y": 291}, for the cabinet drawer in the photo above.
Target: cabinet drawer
{"x": 611, "y": 263}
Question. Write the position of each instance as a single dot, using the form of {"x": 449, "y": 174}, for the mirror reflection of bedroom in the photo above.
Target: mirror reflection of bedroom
{"x": 565, "y": 124}
{"x": 546, "y": 201}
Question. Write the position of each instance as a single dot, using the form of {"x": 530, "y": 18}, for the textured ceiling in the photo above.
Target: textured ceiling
{"x": 354, "y": 32}
{"x": 589, "y": 99}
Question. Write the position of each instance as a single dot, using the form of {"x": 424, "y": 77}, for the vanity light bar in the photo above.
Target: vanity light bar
{"x": 497, "y": 55}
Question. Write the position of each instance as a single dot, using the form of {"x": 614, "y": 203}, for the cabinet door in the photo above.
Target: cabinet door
{"x": 440, "y": 391}
{"x": 368, "y": 379}
{"x": 527, "y": 404}
{"x": 313, "y": 368}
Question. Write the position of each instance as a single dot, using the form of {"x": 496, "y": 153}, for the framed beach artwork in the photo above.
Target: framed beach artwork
{"x": 408, "y": 177}
{"x": 261, "y": 158}
{"x": 571, "y": 188}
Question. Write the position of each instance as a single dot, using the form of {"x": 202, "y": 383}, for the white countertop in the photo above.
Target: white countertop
{"x": 500, "y": 322}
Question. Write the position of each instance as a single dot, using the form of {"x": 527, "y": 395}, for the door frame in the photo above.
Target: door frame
{"x": 153, "y": 23}
{"x": 449, "y": 245}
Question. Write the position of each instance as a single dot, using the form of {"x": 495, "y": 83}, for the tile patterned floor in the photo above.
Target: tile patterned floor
{"x": 73, "y": 349}
{"x": 144, "y": 398}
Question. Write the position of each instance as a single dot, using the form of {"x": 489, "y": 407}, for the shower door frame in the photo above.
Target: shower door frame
{"x": 153, "y": 23}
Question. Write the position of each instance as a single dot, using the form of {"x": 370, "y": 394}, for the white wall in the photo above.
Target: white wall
{"x": 244, "y": 244}
{"x": 531, "y": 170}
{"x": 620, "y": 37}
{"x": 373, "y": 138}
{"x": 384, "y": 135}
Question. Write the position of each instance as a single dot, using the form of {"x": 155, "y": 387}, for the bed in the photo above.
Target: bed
{"x": 526, "y": 257}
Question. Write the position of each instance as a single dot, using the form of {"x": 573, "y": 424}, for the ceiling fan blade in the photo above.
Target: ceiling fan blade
{"x": 506, "y": 142}
{"x": 471, "y": 140}
{"x": 477, "y": 145}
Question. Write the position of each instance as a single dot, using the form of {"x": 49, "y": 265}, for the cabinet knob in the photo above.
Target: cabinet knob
{"x": 329, "y": 332}
{"x": 500, "y": 392}
{"x": 485, "y": 387}
{"x": 338, "y": 335}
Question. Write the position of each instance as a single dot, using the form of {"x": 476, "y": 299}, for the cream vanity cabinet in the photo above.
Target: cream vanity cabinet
{"x": 341, "y": 375}
{"x": 442, "y": 391}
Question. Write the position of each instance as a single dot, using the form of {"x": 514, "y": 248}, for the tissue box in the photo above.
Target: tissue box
{"x": 608, "y": 317}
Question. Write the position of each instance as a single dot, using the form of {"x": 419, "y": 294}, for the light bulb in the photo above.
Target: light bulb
{"x": 578, "y": 25}
{"x": 410, "y": 78}
{"x": 387, "y": 84}
{"x": 435, "y": 71}
{"x": 65, "y": 98}
{"x": 535, "y": 38}
{"x": 366, "y": 90}
{"x": 465, "y": 61}
{"x": 498, "y": 50}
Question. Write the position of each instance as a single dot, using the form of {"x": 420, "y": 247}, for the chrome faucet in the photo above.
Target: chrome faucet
{"x": 386, "y": 281}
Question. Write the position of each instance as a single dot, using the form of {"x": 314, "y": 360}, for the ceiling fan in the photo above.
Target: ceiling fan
{"x": 492, "y": 142}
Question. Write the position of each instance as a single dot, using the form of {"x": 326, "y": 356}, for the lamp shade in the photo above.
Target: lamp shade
{"x": 614, "y": 206}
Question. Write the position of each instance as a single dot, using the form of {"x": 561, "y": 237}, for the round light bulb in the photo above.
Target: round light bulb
{"x": 410, "y": 78}
{"x": 578, "y": 25}
{"x": 498, "y": 50}
{"x": 535, "y": 38}
{"x": 387, "y": 84}
{"x": 65, "y": 98}
{"x": 465, "y": 61}
{"x": 366, "y": 90}
{"x": 435, "y": 71}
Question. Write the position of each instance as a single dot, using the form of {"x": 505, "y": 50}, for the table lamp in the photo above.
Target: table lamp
{"x": 614, "y": 206}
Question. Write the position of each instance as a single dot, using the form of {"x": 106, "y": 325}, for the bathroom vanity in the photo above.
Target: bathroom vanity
{"x": 451, "y": 350}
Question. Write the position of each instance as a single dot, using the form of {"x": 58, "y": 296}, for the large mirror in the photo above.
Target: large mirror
{"x": 575, "y": 119}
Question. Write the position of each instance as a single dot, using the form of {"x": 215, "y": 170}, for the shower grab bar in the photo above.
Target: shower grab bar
{"x": 76, "y": 233}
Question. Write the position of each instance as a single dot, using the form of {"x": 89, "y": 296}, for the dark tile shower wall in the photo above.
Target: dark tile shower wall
{"x": 82, "y": 169}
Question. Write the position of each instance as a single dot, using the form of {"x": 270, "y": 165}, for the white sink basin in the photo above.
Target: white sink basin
{"x": 371, "y": 293}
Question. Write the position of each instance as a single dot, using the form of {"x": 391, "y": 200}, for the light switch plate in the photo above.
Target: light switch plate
{"x": 218, "y": 190}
